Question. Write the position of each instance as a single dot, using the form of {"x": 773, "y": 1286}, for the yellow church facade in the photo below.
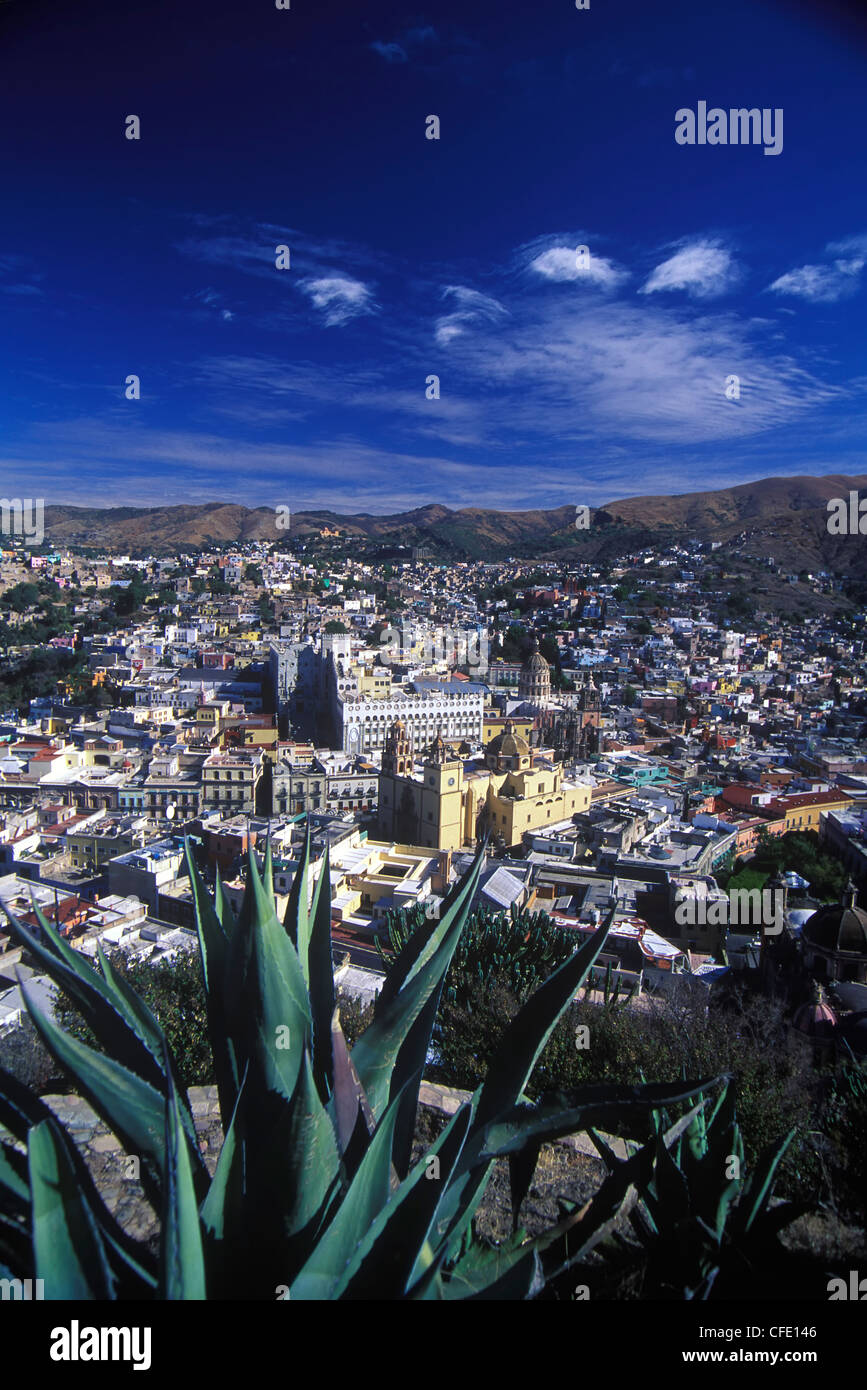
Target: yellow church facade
{"x": 453, "y": 800}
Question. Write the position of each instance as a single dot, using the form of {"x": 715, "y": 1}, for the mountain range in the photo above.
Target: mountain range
{"x": 784, "y": 518}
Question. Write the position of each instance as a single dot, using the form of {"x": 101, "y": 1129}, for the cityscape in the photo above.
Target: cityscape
{"x": 433, "y": 674}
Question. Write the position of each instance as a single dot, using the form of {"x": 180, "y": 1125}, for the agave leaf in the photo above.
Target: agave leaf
{"x": 214, "y": 956}
{"x": 501, "y": 1273}
{"x": 291, "y": 1177}
{"x": 92, "y": 996}
{"x": 271, "y": 1007}
{"x": 268, "y": 869}
{"x": 421, "y": 944}
{"x": 143, "y": 1021}
{"x": 130, "y": 1107}
{"x": 366, "y": 1197}
{"x": 226, "y": 1189}
{"x": 759, "y": 1185}
{"x": 573, "y": 1238}
{"x": 222, "y": 906}
{"x": 607, "y": 1154}
{"x": 348, "y": 1107}
{"x": 14, "y": 1188}
{"x": 396, "y": 1244}
{"x": 68, "y": 1250}
{"x": 134, "y": 1009}
{"x": 183, "y": 1264}
{"x": 671, "y": 1190}
{"x": 133, "y": 1264}
{"x": 376, "y": 1054}
{"x": 532, "y": 1026}
{"x": 223, "y": 1226}
{"x": 320, "y": 976}
{"x": 296, "y": 917}
{"x": 522, "y": 1166}
{"x": 509, "y": 1072}
{"x": 591, "y": 1106}
{"x": 407, "y": 1077}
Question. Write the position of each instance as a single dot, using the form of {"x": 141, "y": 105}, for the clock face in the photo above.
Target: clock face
{"x": 451, "y": 781}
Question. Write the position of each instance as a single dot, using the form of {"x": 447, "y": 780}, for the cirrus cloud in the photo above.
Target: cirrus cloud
{"x": 824, "y": 284}
{"x": 703, "y": 269}
{"x": 340, "y": 297}
{"x": 563, "y": 263}
{"x": 473, "y": 309}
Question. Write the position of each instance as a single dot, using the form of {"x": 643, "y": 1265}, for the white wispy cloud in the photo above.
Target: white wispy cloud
{"x": 473, "y": 309}
{"x": 703, "y": 269}
{"x": 825, "y": 284}
{"x": 340, "y": 297}
{"x": 579, "y": 370}
{"x": 565, "y": 263}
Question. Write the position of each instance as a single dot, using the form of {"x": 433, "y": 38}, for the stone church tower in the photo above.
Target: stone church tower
{"x": 397, "y": 754}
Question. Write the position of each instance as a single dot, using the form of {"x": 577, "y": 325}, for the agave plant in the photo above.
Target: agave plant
{"x": 314, "y": 1194}
{"x": 703, "y": 1224}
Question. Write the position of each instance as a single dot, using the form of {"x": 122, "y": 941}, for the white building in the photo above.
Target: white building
{"x": 362, "y": 725}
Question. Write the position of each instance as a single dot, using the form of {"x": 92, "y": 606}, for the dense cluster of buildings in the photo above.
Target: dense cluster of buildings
{"x": 393, "y": 707}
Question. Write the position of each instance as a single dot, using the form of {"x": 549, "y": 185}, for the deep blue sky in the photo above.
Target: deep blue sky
{"x": 411, "y": 257}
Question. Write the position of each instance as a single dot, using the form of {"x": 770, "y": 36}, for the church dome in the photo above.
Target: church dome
{"x": 508, "y": 744}
{"x": 536, "y": 665}
{"x": 534, "y": 681}
{"x": 838, "y": 927}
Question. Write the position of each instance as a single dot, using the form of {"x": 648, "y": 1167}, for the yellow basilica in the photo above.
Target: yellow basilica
{"x": 450, "y": 801}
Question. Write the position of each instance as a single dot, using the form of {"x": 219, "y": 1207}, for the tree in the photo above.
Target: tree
{"x": 21, "y": 597}
{"x": 335, "y": 626}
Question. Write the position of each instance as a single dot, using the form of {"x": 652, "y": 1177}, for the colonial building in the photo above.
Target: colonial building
{"x": 230, "y": 782}
{"x": 448, "y": 802}
{"x": 362, "y": 724}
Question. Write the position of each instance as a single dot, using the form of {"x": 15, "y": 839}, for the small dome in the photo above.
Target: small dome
{"x": 815, "y": 1019}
